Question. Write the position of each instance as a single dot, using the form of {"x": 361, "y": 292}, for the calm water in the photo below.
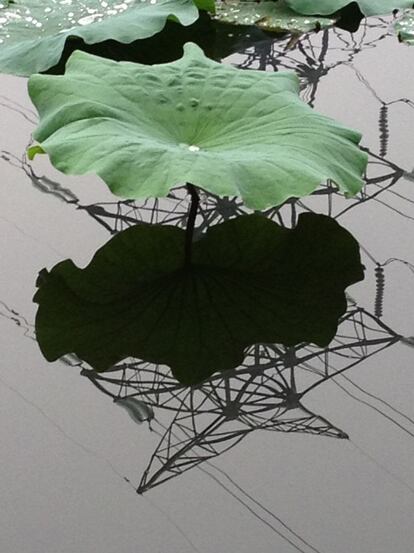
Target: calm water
{"x": 214, "y": 480}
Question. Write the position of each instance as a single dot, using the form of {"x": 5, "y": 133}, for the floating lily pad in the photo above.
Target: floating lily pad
{"x": 367, "y": 7}
{"x": 404, "y": 26}
{"x": 270, "y": 16}
{"x": 145, "y": 129}
{"x": 250, "y": 281}
{"x": 33, "y": 33}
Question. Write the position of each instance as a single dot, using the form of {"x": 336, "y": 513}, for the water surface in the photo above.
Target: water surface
{"x": 72, "y": 459}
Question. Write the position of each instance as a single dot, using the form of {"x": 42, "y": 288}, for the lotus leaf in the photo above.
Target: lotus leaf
{"x": 405, "y": 27}
{"x": 269, "y": 15}
{"x": 249, "y": 281}
{"x": 33, "y": 33}
{"x": 367, "y": 7}
{"x": 145, "y": 129}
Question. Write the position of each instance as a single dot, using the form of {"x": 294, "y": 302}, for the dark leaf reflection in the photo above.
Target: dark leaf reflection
{"x": 249, "y": 281}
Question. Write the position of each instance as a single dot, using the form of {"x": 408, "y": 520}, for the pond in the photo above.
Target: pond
{"x": 306, "y": 448}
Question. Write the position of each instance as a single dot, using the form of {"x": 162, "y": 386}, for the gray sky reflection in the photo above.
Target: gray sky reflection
{"x": 67, "y": 448}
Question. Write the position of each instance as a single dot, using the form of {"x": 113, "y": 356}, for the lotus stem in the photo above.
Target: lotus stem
{"x": 192, "y": 214}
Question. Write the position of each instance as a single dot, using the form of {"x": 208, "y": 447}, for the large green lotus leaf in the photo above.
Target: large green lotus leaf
{"x": 270, "y": 16}
{"x": 145, "y": 129}
{"x": 33, "y": 33}
{"x": 367, "y": 7}
{"x": 405, "y": 27}
{"x": 249, "y": 281}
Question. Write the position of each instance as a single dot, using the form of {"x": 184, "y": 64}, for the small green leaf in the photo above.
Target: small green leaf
{"x": 269, "y": 16}
{"x": 367, "y": 7}
{"x": 146, "y": 129}
{"x": 404, "y": 26}
{"x": 206, "y": 5}
{"x": 34, "y": 150}
{"x": 250, "y": 281}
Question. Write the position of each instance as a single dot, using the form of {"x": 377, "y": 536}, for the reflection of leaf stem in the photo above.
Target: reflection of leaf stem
{"x": 192, "y": 214}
